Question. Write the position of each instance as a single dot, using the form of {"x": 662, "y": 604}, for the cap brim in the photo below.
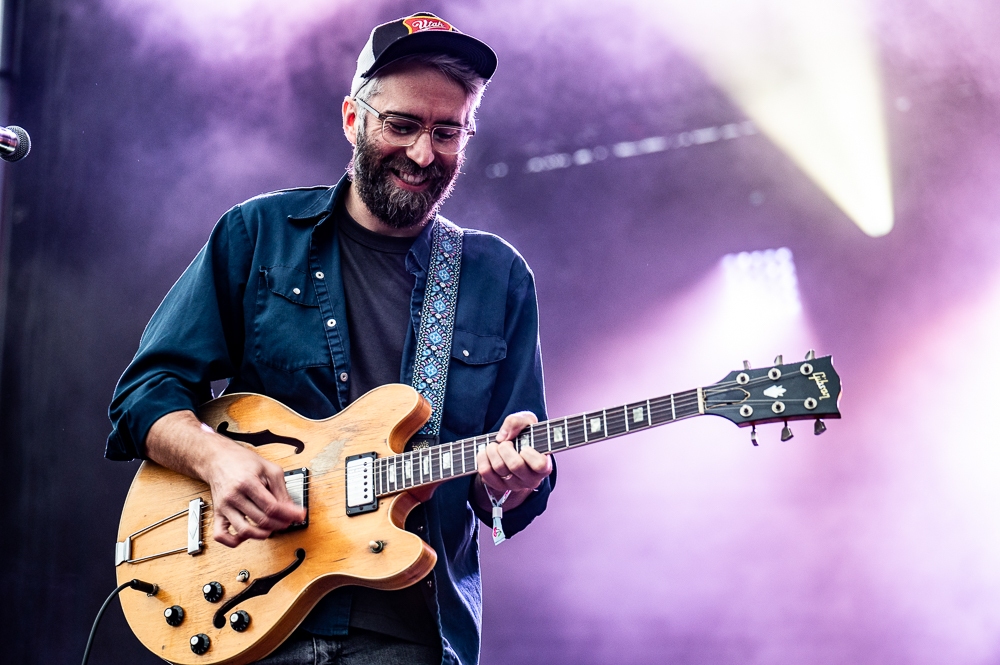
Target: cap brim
{"x": 478, "y": 55}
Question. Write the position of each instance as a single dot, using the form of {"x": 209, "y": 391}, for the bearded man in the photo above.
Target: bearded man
{"x": 315, "y": 296}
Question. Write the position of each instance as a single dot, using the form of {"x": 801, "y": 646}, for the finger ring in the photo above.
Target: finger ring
{"x": 507, "y": 477}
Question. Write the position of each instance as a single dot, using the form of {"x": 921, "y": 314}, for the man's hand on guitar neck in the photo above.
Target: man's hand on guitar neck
{"x": 503, "y": 468}
{"x": 249, "y": 497}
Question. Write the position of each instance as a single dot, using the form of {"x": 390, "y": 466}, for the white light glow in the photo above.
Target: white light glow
{"x": 805, "y": 71}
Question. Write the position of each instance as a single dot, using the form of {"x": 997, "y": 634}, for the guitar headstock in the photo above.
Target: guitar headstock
{"x": 807, "y": 390}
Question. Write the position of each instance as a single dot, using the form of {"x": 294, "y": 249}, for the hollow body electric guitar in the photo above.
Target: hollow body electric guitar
{"x": 217, "y": 604}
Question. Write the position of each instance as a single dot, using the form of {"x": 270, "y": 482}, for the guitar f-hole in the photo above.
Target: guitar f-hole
{"x": 259, "y": 587}
{"x": 261, "y": 438}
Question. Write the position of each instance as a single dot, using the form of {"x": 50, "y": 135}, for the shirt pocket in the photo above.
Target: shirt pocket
{"x": 475, "y": 362}
{"x": 289, "y": 330}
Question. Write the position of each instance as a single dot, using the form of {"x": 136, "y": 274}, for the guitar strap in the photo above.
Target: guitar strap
{"x": 437, "y": 326}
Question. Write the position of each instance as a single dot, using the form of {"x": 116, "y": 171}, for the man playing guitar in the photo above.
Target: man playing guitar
{"x": 314, "y": 296}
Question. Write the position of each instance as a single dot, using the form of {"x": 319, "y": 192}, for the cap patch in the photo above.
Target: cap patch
{"x": 426, "y": 23}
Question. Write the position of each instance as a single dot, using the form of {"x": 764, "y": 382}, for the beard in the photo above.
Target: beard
{"x": 396, "y": 207}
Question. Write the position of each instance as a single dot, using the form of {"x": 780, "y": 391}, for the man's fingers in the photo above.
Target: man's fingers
{"x": 264, "y": 508}
{"x": 538, "y": 462}
{"x": 514, "y": 423}
{"x": 506, "y": 458}
{"x": 231, "y": 530}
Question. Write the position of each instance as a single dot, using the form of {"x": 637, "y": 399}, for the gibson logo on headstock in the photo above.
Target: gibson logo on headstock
{"x": 821, "y": 381}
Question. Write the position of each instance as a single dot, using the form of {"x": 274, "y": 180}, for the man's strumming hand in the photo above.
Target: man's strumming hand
{"x": 249, "y": 496}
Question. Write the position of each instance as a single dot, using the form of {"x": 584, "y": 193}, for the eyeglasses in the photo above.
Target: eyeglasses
{"x": 404, "y": 132}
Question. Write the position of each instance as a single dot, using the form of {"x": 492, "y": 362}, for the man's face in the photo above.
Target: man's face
{"x": 405, "y": 186}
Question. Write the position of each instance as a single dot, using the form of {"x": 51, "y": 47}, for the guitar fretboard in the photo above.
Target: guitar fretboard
{"x": 451, "y": 460}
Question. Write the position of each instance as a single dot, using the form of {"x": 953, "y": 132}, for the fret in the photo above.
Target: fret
{"x": 524, "y": 439}
{"x": 560, "y": 435}
{"x": 576, "y": 431}
{"x": 636, "y": 416}
{"x": 617, "y": 422}
{"x": 594, "y": 426}
{"x": 425, "y": 466}
{"x": 548, "y": 436}
{"x": 461, "y": 447}
{"x": 659, "y": 412}
{"x": 688, "y": 404}
{"x": 673, "y": 408}
{"x": 408, "y": 468}
{"x": 446, "y": 462}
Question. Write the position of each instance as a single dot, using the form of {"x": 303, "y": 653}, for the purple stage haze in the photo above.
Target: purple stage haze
{"x": 875, "y": 543}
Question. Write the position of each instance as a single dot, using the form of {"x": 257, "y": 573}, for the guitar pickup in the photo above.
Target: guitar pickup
{"x": 360, "y": 470}
{"x": 297, "y": 484}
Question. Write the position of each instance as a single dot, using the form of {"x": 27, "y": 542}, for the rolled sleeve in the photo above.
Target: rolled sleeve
{"x": 194, "y": 337}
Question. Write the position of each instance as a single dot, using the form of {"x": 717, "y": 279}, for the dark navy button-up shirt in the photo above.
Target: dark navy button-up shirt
{"x": 262, "y": 304}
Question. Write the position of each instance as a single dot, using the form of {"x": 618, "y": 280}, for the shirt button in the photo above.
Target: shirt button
{"x": 430, "y": 584}
{"x": 331, "y": 323}
{"x": 296, "y": 290}
{"x": 343, "y": 377}
{"x": 465, "y": 352}
{"x": 319, "y": 274}
{"x": 420, "y": 529}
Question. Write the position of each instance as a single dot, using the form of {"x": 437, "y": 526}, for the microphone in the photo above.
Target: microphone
{"x": 15, "y": 144}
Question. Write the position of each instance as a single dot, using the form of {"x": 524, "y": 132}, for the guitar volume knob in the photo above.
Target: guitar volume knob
{"x": 239, "y": 620}
{"x": 200, "y": 643}
{"x": 213, "y": 592}
{"x": 174, "y": 615}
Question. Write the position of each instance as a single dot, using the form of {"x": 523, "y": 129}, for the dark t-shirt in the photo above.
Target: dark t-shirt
{"x": 378, "y": 288}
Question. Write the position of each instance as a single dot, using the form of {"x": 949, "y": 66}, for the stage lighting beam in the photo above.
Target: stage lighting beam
{"x": 806, "y": 72}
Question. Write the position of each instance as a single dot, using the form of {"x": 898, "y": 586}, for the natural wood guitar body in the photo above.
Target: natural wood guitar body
{"x": 336, "y": 546}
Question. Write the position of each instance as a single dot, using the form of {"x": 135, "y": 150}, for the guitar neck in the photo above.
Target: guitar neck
{"x": 451, "y": 460}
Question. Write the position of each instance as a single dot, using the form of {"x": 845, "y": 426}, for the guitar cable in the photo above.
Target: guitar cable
{"x": 139, "y": 585}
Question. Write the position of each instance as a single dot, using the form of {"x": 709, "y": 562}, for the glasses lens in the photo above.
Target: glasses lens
{"x": 449, "y": 139}
{"x": 400, "y": 131}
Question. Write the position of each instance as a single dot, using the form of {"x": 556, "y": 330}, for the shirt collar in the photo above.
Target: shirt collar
{"x": 322, "y": 208}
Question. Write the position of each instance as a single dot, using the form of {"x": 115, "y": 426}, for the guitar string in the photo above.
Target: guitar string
{"x": 463, "y": 444}
{"x": 687, "y": 400}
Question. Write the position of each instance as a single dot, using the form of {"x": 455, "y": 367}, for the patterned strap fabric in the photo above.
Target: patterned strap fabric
{"x": 437, "y": 322}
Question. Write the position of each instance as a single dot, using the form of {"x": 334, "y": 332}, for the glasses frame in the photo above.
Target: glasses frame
{"x": 467, "y": 132}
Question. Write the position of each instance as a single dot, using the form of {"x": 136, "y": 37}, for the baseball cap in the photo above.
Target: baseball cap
{"x": 421, "y": 33}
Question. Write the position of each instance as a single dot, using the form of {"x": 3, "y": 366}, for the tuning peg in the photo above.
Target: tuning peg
{"x": 810, "y": 354}
{"x": 778, "y": 359}
{"x": 786, "y": 432}
{"x": 819, "y": 427}
{"x": 753, "y": 434}
{"x": 746, "y": 364}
